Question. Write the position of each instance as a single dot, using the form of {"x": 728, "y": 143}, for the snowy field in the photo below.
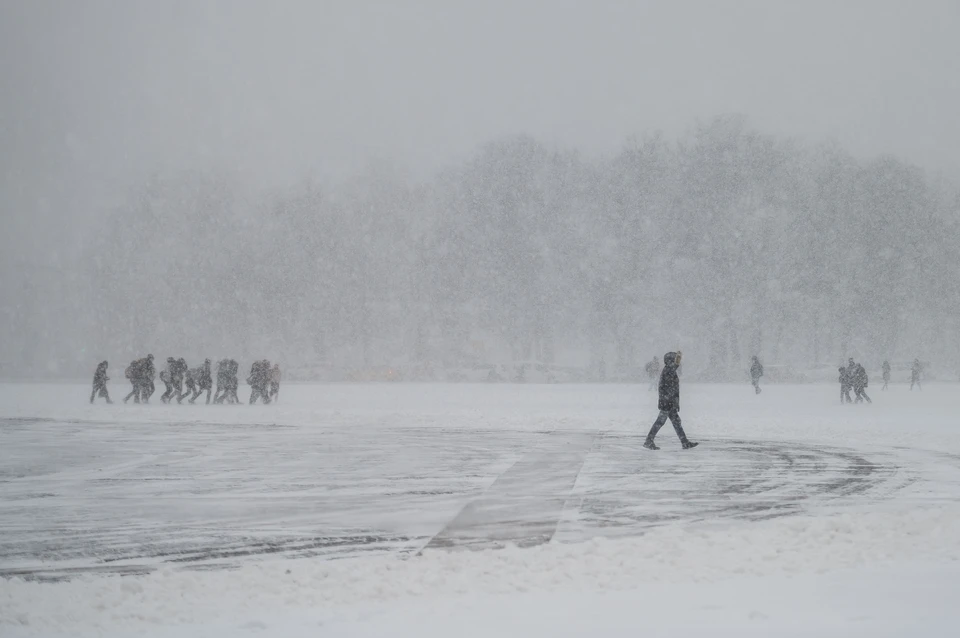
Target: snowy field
{"x": 480, "y": 510}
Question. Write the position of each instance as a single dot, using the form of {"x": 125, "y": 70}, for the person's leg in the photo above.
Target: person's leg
{"x": 209, "y": 389}
{"x": 104, "y": 393}
{"x": 661, "y": 419}
{"x": 94, "y": 393}
{"x": 863, "y": 393}
{"x": 675, "y": 420}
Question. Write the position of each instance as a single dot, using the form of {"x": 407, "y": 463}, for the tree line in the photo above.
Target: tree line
{"x": 725, "y": 243}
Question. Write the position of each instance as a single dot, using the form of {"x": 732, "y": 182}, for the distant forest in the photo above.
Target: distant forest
{"x": 724, "y": 243}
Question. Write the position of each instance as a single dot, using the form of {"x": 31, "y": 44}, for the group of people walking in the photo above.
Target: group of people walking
{"x": 853, "y": 376}
{"x": 183, "y": 382}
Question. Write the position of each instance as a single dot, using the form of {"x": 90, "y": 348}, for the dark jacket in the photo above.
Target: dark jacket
{"x": 756, "y": 370}
{"x": 669, "y": 384}
{"x": 860, "y": 379}
{"x": 148, "y": 371}
{"x": 205, "y": 379}
{"x": 851, "y": 373}
{"x": 100, "y": 376}
{"x": 180, "y": 371}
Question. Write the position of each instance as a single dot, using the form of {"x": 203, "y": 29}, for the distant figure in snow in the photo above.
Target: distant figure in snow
{"x": 148, "y": 373}
{"x": 258, "y": 381}
{"x": 275, "y": 382}
{"x": 227, "y": 379}
{"x": 134, "y": 372}
{"x": 190, "y": 383}
{"x": 167, "y": 376}
{"x": 886, "y": 374}
{"x": 669, "y": 403}
{"x": 756, "y": 371}
{"x": 915, "y": 373}
{"x": 844, "y": 386}
{"x": 234, "y": 381}
{"x": 179, "y": 375}
{"x": 221, "y": 380}
{"x": 851, "y": 375}
{"x": 860, "y": 382}
{"x": 204, "y": 381}
{"x": 653, "y": 371}
{"x": 100, "y": 379}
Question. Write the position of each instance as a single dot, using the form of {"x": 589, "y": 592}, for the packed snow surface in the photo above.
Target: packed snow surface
{"x": 480, "y": 510}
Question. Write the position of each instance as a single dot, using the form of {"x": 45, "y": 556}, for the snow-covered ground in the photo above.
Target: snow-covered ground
{"x": 480, "y": 510}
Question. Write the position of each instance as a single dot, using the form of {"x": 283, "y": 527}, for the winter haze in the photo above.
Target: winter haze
{"x": 339, "y": 186}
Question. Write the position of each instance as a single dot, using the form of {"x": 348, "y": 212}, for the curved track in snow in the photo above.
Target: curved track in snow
{"x": 86, "y": 497}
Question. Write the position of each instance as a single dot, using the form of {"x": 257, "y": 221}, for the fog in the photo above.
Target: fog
{"x": 345, "y": 185}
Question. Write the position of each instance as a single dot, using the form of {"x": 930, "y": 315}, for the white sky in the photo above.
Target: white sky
{"x": 97, "y": 94}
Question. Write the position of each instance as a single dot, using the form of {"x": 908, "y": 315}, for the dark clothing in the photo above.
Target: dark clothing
{"x": 674, "y": 417}
{"x": 845, "y": 385}
{"x": 134, "y": 373}
{"x": 669, "y": 400}
{"x": 204, "y": 381}
{"x": 860, "y": 383}
{"x": 886, "y": 375}
{"x": 167, "y": 377}
{"x": 190, "y": 381}
{"x": 915, "y": 376}
{"x": 756, "y": 371}
{"x": 259, "y": 381}
{"x": 669, "y": 389}
{"x": 179, "y": 374}
{"x": 100, "y": 379}
{"x": 148, "y": 373}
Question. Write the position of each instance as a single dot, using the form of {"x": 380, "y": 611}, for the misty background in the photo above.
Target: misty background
{"x": 356, "y": 184}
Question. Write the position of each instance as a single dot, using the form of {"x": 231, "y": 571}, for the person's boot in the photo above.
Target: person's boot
{"x": 650, "y": 445}
{"x": 689, "y": 444}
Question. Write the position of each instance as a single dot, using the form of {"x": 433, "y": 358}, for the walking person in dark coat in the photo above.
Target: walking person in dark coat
{"x": 100, "y": 379}
{"x": 221, "y": 390}
{"x": 179, "y": 375}
{"x": 844, "y": 386}
{"x": 756, "y": 371}
{"x": 259, "y": 381}
{"x": 669, "y": 403}
{"x": 148, "y": 373}
{"x": 204, "y": 381}
{"x": 234, "y": 379}
{"x": 134, "y": 373}
{"x": 190, "y": 383}
{"x": 228, "y": 381}
{"x": 167, "y": 377}
{"x": 860, "y": 382}
{"x": 886, "y": 374}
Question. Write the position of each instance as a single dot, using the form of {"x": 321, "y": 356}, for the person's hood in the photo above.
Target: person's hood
{"x": 671, "y": 359}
